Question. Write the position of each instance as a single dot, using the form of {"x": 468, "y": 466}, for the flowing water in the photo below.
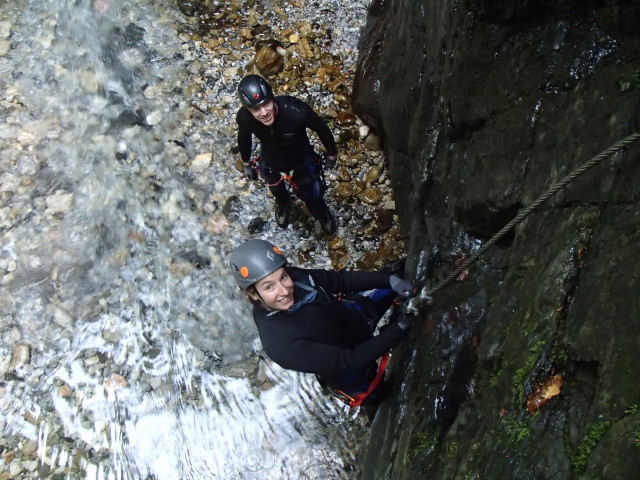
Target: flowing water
{"x": 126, "y": 350}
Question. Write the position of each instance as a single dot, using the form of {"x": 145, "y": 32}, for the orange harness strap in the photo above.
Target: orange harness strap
{"x": 357, "y": 400}
{"x": 284, "y": 176}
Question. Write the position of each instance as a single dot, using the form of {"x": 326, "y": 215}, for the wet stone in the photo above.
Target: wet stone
{"x": 32, "y": 417}
{"x": 256, "y": 225}
{"x": 383, "y": 220}
{"x": 345, "y": 135}
{"x": 340, "y": 257}
{"x": 201, "y": 162}
{"x": 345, "y": 119}
{"x": 304, "y": 47}
{"x": 373, "y": 143}
{"x": 232, "y": 207}
{"x": 372, "y": 260}
{"x": 15, "y": 469}
{"x": 154, "y": 118}
{"x": 30, "y": 465}
{"x": 114, "y": 383}
{"x": 59, "y": 202}
{"x": 62, "y": 318}
{"x": 346, "y": 190}
{"x": 371, "y": 196}
{"x": 5, "y": 46}
{"x": 5, "y": 30}
{"x": 28, "y": 448}
{"x": 89, "y": 81}
{"x": 268, "y": 61}
{"x": 373, "y": 174}
{"x": 217, "y": 224}
{"x": 21, "y": 356}
{"x": 43, "y": 470}
{"x": 92, "y": 360}
{"x": 65, "y": 391}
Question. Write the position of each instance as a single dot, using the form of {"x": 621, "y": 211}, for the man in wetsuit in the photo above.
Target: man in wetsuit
{"x": 280, "y": 123}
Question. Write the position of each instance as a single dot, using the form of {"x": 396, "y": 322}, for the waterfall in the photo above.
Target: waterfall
{"x": 126, "y": 350}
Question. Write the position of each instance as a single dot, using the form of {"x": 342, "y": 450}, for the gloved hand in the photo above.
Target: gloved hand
{"x": 249, "y": 172}
{"x": 401, "y": 286}
{"x": 405, "y": 320}
{"x": 329, "y": 161}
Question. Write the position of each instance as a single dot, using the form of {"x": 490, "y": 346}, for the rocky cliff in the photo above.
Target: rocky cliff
{"x": 527, "y": 366}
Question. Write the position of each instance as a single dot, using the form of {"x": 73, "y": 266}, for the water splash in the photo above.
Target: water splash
{"x": 118, "y": 287}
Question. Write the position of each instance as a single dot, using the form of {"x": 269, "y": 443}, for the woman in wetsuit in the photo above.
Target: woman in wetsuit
{"x": 304, "y": 325}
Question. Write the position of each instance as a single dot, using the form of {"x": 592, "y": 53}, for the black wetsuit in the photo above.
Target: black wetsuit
{"x": 285, "y": 148}
{"x": 324, "y": 336}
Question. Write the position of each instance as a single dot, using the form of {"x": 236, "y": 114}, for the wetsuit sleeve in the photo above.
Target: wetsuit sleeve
{"x": 244, "y": 135}
{"x": 345, "y": 281}
{"x": 318, "y": 125}
{"x": 310, "y": 357}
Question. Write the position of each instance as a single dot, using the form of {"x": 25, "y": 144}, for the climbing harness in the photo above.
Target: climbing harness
{"x": 288, "y": 176}
{"x": 359, "y": 303}
{"x": 428, "y": 290}
{"x": 356, "y": 400}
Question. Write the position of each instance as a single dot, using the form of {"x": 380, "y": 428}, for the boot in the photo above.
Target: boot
{"x": 282, "y": 213}
{"x": 328, "y": 223}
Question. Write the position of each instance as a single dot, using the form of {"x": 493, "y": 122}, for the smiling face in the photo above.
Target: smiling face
{"x": 275, "y": 290}
{"x": 265, "y": 113}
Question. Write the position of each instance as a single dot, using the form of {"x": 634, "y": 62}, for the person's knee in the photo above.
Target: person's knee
{"x": 309, "y": 193}
{"x": 280, "y": 193}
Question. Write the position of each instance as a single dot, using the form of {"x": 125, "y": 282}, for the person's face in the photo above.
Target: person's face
{"x": 276, "y": 290}
{"x": 264, "y": 113}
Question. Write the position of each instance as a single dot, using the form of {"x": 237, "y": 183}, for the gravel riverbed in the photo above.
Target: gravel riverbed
{"x": 121, "y": 195}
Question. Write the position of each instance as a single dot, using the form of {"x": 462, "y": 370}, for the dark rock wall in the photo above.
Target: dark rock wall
{"x": 482, "y": 106}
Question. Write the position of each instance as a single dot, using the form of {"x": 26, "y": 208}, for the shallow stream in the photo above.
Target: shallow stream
{"x": 126, "y": 350}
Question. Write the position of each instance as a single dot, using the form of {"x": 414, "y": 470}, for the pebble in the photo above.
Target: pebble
{"x": 373, "y": 174}
{"x": 5, "y": 47}
{"x": 25, "y": 138}
{"x": 114, "y": 383}
{"x": 65, "y": 391}
{"x": 15, "y": 468}
{"x": 154, "y": 118}
{"x": 371, "y": 196}
{"x": 28, "y": 448}
{"x": 21, "y": 356}
{"x": 89, "y": 81}
{"x": 59, "y": 202}
{"x": 152, "y": 91}
{"x": 201, "y": 162}
{"x": 30, "y": 465}
{"x": 92, "y": 361}
{"x": 62, "y": 318}
{"x": 372, "y": 142}
{"x": 5, "y": 30}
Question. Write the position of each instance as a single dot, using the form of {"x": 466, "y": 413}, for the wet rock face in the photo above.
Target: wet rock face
{"x": 482, "y": 106}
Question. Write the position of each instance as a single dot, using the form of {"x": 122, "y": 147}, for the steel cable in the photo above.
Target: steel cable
{"x": 428, "y": 290}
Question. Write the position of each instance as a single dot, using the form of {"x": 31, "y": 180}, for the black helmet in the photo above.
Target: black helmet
{"x": 254, "y": 260}
{"x": 254, "y": 90}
